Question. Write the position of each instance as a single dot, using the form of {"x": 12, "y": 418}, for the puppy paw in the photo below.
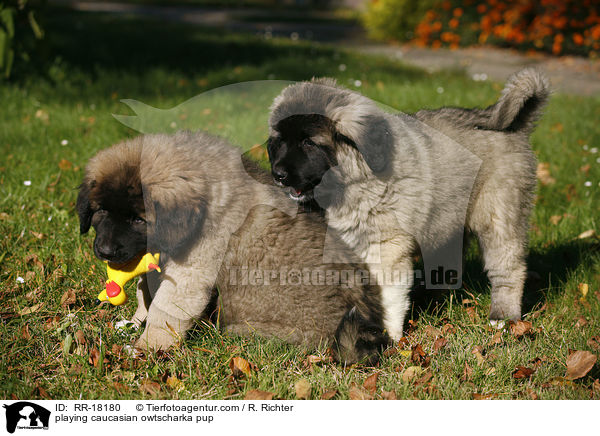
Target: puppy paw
{"x": 498, "y": 324}
{"x": 156, "y": 338}
{"x": 126, "y": 326}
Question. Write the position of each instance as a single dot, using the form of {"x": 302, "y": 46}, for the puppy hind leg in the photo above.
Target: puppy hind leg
{"x": 504, "y": 261}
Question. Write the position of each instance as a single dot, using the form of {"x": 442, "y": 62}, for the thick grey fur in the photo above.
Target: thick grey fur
{"x": 403, "y": 175}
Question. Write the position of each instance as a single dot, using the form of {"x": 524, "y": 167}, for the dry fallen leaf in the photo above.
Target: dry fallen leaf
{"x": 37, "y": 235}
{"x": 370, "y": 383}
{"x": 425, "y": 378}
{"x": 65, "y": 165}
{"x": 389, "y": 395}
{"x": 329, "y": 394}
{"x": 418, "y": 356}
{"x": 25, "y": 332}
{"x": 583, "y": 289}
{"x": 579, "y": 363}
{"x": 256, "y": 394}
{"x": 402, "y": 342}
{"x": 411, "y": 372}
{"x": 543, "y": 174}
{"x": 240, "y": 366}
{"x": 520, "y": 328}
{"x": 532, "y": 394}
{"x": 594, "y": 342}
{"x": 522, "y": 372}
{"x": 303, "y": 389}
{"x": 439, "y": 343}
{"x": 555, "y": 219}
{"x": 587, "y": 234}
{"x": 356, "y": 393}
{"x": 581, "y": 321}
{"x": 30, "y": 310}
{"x": 432, "y": 331}
{"x": 68, "y": 298}
{"x": 448, "y": 329}
{"x": 149, "y": 387}
{"x": 314, "y": 360}
{"x": 174, "y": 383}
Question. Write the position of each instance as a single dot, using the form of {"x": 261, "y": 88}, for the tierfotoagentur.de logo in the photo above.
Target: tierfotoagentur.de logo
{"x": 24, "y": 415}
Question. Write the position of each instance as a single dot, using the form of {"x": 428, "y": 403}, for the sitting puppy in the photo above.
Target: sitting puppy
{"x": 190, "y": 197}
{"x": 394, "y": 183}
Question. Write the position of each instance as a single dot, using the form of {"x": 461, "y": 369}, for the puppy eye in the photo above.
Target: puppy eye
{"x": 138, "y": 220}
{"x": 308, "y": 143}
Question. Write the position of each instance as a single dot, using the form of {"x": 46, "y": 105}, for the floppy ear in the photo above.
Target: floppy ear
{"x": 372, "y": 137}
{"x": 176, "y": 227}
{"x": 83, "y": 208}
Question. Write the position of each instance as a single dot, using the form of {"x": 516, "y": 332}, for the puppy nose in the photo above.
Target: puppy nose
{"x": 107, "y": 251}
{"x": 279, "y": 174}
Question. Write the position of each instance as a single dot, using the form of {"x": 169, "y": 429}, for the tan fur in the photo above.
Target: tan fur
{"x": 246, "y": 224}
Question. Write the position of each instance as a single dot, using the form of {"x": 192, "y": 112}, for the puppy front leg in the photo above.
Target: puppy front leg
{"x": 182, "y": 296}
{"x": 395, "y": 290}
{"x": 144, "y": 299}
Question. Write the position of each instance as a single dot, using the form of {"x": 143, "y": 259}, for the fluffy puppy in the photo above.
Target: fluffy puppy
{"x": 392, "y": 183}
{"x": 184, "y": 196}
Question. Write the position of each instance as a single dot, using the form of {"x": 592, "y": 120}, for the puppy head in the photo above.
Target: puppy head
{"x": 136, "y": 197}
{"x": 316, "y": 126}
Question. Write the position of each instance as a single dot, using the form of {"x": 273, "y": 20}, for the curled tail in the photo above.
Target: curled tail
{"x": 520, "y": 105}
{"x": 358, "y": 340}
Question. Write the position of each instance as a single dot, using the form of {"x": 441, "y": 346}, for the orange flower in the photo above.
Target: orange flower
{"x": 454, "y": 46}
{"x": 430, "y": 15}
{"x": 557, "y": 45}
{"x": 560, "y": 22}
{"x": 457, "y": 12}
{"x": 596, "y": 32}
{"x": 436, "y": 44}
{"x": 453, "y": 23}
{"x": 447, "y": 36}
{"x": 556, "y": 48}
{"x": 446, "y": 5}
{"x": 436, "y": 26}
{"x": 481, "y": 8}
{"x": 577, "y": 39}
{"x": 486, "y": 24}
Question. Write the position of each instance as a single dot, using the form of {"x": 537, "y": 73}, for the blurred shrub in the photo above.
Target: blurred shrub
{"x": 394, "y": 19}
{"x": 19, "y": 33}
{"x": 553, "y": 26}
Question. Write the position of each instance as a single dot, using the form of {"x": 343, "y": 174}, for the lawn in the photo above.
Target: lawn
{"x": 57, "y": 344}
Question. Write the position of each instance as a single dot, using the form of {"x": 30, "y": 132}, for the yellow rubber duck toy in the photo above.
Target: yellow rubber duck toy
{"x": 114, "y": 292}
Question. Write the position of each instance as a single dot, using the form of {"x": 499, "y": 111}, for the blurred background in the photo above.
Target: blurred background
{"x": 493, "y": 37}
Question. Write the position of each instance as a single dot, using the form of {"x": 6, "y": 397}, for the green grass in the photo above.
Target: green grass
{"x": 101, "y": 61}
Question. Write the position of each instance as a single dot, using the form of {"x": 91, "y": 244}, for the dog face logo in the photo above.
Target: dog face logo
{"x": 26, "y": 415}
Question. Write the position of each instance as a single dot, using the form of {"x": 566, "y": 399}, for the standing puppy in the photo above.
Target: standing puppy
{"x": 392, "y": 182}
